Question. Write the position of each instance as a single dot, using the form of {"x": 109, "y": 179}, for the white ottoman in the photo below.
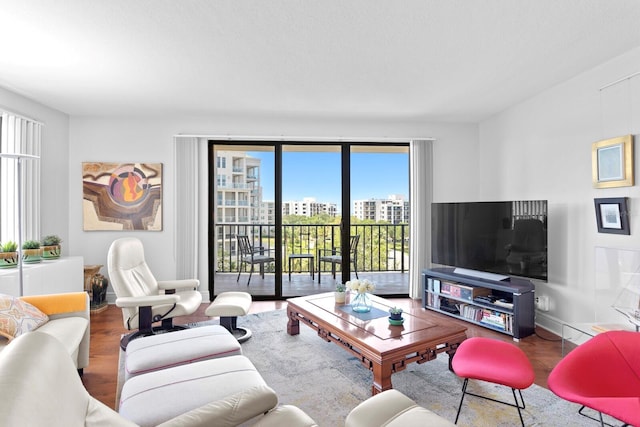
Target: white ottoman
{"x": 228, "y": 306}
{"x": 229, "y": 385}
{"x": 170, "y": 349}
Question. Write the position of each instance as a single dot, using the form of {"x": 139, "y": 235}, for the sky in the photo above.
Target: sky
{"x": 373, "y": 175}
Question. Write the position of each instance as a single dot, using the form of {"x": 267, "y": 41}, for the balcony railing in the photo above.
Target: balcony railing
{"x": 233, "y": 186}
{"x": 243, "y": 203}
{"x": 382, "y": 247}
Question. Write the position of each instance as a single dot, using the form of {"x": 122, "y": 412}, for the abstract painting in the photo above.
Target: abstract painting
{"x": 122, "y": 196}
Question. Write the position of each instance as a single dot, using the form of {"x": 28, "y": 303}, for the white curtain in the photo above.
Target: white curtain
{"x": 187, "y": 190}
{"x": 20, "y": 135}
{"x": 421, "y": 196}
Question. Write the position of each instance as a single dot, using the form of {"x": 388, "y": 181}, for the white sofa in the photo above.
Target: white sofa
{"x": 69, "y": 322}
{"x": 39, "y": 387}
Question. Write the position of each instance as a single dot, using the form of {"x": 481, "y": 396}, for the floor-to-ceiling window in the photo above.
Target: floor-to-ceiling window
{"x": 311, "y": 215}
{"x": 311, "y": 202}
{"x": 379, "y": 187}
{"x": 243, "y": 218}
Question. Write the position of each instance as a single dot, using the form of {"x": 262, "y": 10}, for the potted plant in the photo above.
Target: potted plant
{"x": 9, "y": 255}
{"x": 51, "y": 248}
{"x": 340, "y": 293}
{"x": 31, "y": 252}
{"x": 395, "y": 313}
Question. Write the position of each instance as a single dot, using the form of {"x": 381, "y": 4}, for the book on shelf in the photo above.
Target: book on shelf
{"x": 457, "y": 290}
{"x": 471, "y": 312}
{"x": 497, "y": 319}
{"x": 433, "y": 301}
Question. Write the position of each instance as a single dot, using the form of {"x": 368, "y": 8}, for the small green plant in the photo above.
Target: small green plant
{"x": 395, "y": 310}
{"x": 9, "y": 246}
{"x": 31, "y": 244}
{"x": 340, "y": 287}
{"x": 51, "y": 240}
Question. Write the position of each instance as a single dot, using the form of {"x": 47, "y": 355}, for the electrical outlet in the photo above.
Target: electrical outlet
{"x": 542, "y": 303}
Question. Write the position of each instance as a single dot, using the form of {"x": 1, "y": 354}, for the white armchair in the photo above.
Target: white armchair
{"x": 142, "y": 298}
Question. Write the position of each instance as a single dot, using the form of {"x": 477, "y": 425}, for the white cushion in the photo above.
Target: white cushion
{"x": 18, "y": 317}
{"x": 229, "y": 304}
{"x": 152, "y": 398}
{"x": 68, "y": 330}
{"x": 165, "y": 350}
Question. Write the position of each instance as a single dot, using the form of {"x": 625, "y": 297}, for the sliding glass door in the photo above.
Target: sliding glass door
{"x": 311, "y": 215}
{"x": 243, "y": 219}
{"x": 379, "y": 187}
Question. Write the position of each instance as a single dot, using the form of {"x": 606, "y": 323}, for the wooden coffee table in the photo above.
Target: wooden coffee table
{"x": 381, "y": 348}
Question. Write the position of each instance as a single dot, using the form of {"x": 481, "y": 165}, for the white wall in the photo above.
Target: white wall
{"x": 54, "y": 162}
{"x": 151, "y": 140}
{"x": 455, "y": 166}
{"x": 541, "y": 149}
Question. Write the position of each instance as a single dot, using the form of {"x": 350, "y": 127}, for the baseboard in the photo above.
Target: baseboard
{"x": 550, "y": 323}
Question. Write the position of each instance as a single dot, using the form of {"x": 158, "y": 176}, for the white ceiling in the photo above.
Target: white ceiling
{"x": 450, "y": 60}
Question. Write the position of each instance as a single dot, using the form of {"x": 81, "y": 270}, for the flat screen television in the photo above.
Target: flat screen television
{"x": 506, "y": 238}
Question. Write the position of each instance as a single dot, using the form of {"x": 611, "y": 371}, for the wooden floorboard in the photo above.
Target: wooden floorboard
{"x": 100, "y": 377}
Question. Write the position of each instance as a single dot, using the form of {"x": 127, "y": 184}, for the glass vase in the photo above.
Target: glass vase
{"x": 361, "y": 303}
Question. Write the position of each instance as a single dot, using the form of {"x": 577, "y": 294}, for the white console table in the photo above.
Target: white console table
{"x": 65, "y": 274}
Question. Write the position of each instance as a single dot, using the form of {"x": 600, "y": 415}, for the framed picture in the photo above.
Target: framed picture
{"x": 612, "y": 216}
{"x": 122, "y": 196}
{"x": 612, "y": 162}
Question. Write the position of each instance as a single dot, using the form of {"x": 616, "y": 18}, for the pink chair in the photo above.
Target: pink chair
{"x": 496, "y": 362}
{"x": 602, "y": 374}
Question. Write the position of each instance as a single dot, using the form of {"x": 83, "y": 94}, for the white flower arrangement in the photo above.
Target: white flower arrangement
{"x": 361, "y": 286}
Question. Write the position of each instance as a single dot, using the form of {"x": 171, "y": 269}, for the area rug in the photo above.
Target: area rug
{"x": 327, "y": 381}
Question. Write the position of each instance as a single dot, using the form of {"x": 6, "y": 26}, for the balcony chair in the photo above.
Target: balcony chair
{"x": 335, "y": 257}
{"x": 602, "y": 374}
{"x": 249, "y": 254}
{"x": 143, "y": 299}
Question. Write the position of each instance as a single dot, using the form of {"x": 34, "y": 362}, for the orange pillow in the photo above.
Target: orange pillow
{"x": 18, "y": 317}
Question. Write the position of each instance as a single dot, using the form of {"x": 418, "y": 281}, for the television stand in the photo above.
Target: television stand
{"x": 506, "y": 306}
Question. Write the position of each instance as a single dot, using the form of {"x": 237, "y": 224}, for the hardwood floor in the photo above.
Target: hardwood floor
{"x": 100, "y": 377}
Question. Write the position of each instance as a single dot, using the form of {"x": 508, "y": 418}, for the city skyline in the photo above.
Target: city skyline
{"x": 317, "y": 175}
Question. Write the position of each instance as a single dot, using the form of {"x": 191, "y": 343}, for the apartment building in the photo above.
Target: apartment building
{"x": 394, "y": 209}
{"x": 309, "y": 207}
{"x": 238, "y": 190}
